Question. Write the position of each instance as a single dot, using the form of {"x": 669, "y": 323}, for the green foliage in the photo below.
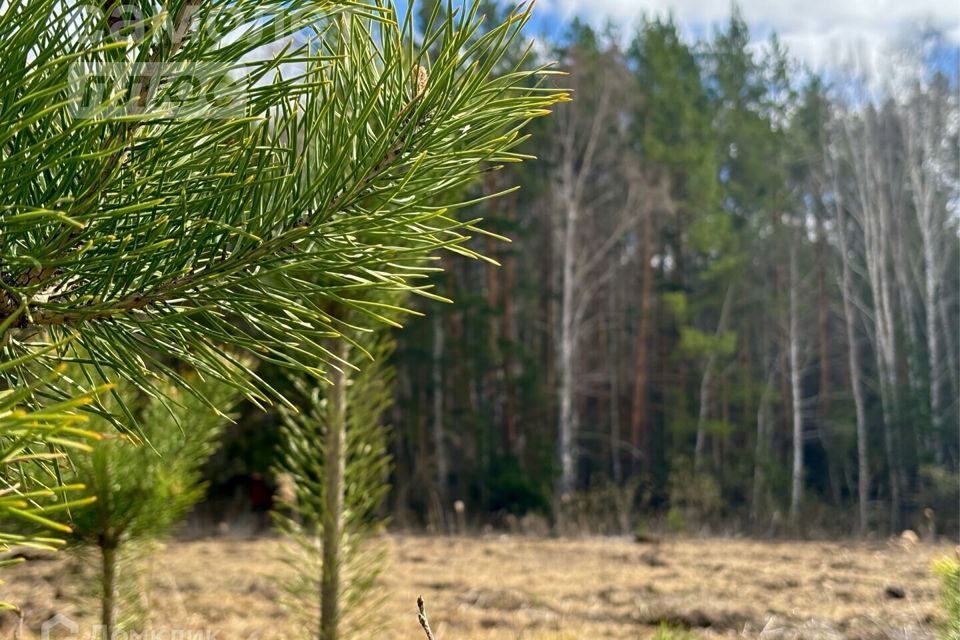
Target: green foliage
{"x": 948, "y": 570}
{"x": 669, "y": 632}
{"x": 304, "y": 513}
{"x": 509, "y": 489}
{"x": 696, "y": 497}
{"x": 150, "y": 224}
{"x": 676, "y": 302}
{"x": 143, "y": 490}
{"x": 34, "y": 443}
{"x": 697, "y": 343}
{"x": 676, "y": 520}
{"x": 673, "y": 120}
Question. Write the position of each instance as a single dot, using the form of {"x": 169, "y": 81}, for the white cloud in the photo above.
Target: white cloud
{"x": 821, "y": 32}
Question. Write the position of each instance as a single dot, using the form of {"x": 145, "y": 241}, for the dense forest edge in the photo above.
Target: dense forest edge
{"x": 729, "y": 305}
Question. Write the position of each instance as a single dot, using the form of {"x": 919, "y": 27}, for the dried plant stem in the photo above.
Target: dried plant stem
{"x": 422, "y": 617}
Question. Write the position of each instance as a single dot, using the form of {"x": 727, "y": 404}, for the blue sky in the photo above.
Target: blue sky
{"x": 823, "y": 33}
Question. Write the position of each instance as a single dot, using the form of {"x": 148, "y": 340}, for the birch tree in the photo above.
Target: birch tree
{"x": 796, "y": 400}
{"x": 873, "y": 174}
{"x": 584, "y": 184}
{"x": 851, "y": 314}
{"x": 930, "y": 141}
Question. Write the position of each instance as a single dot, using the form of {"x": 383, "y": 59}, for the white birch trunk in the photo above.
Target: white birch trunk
{"x": 922, "y": 136}
{"x": 853, "y": 359}
{"x": 873, "y": 210}
{"x": 796, "y": 485}
{"x": 576, "y": 169}
{"x": 568, "y": 417}
{"x": 706, "y": 382}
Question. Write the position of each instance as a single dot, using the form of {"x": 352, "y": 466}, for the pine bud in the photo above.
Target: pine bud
{"x": 420, "y": 80}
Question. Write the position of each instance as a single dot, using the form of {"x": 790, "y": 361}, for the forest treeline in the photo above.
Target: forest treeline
{"x": 731, "y": 285}
{"x": 729, "y": 300}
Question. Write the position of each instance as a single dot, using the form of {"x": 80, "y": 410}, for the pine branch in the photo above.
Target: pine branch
{"x": 191, "y": 236}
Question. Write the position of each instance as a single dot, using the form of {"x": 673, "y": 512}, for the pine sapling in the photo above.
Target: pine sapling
{"x": 334, "y": 456}
{"x": 143, "y": 489}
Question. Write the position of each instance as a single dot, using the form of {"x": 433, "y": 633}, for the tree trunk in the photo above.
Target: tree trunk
{"x": 933, "y": 346}
{"x": 949, "y": 346}
{"x": 923, "y": 126}
{"x": 568, "y": 418}
{"x": 493, "y": 378}
{"x": 638, "y": 416}
{"x": 334, "y": 467}
{"x": 863, "y": 458}
{"x": 705, "y": 384}
{"x": 439, "y": 443}
{"x": 509, "y": 333}
{"x": 796, "y": 486}
{"x": 761, "y": 450}
{"x": 576, "y": 169}
{"x": 872, "y": 184}
{"x": 823, "y": 388}
{"x": 108, "y": 587}
{"x": 613, "y": 364}
{"x": 853, "y": 357}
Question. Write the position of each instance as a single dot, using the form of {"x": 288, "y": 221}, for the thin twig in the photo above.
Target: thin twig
{"x": 422, "y": 617}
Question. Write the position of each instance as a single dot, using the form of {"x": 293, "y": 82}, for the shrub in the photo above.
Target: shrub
{"x": 668, "y": 632}
{"x": 695, "y": 498}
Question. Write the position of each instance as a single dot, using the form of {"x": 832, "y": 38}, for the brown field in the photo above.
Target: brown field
{"x": 516, "y": 587}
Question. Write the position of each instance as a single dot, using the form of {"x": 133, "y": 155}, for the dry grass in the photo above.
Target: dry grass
{"x": 538, "y": 589}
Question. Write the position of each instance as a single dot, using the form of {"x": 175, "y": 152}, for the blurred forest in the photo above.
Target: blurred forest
{"x": 730, "y": 304}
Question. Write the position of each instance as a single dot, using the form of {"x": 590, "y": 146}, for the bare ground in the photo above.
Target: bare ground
{"x": 517, "y": 587}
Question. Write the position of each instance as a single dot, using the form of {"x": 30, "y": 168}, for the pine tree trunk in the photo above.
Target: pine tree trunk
{"x": 508, "y": 332}
{"x": 761, "y": 450}
{"x": 108, "y": 586}
{"x": 823, "y": 388}
{"x": 613, "y": 364}
{"x": 334, "y": 467}
{"x": 493, "y": 378}
{"x": 949, "y": 346}
{"x": 704, "y": 403}
{"x": 439, "y": 442}
{"x": 638, "y": 417}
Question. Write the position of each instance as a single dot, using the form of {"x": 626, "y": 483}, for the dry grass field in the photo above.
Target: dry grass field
{"x": 538, "y": 589}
